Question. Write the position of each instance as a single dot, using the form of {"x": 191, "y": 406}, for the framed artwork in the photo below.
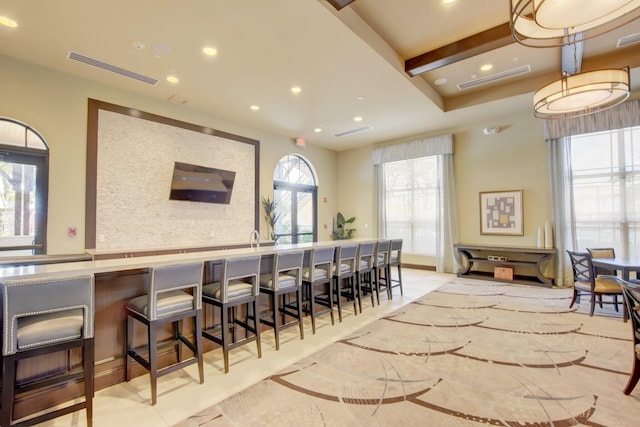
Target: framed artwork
{"x": 501, "y": 213}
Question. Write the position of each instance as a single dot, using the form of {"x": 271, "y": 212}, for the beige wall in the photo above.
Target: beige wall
{"x": 56, "y": 105}
{"x": 514, "y": 159}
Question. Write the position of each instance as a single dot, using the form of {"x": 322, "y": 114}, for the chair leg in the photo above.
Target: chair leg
{"x": 197, "y": 335}
{"x": 338, "y": 295}
{"x": 593, "y": 304}
{"x": 8, "y": 384}
{"x": 224, "y": 333}
{"x": 400, "y": 280}
{"x": 635, "y": 376}
{"x": 276, "y": 320}
{"x": 300, "y": 322}
{"x": 88, "y": 354}
{"x": 312, "y": 306}
{"x": 177, "y": 328}
{"x": 153, "y": 361}
{"x": 573, "y": 299}
{"x": 129, "y": 346}
{"x": 256, "y": 324}
{"x": 333, "y": 319}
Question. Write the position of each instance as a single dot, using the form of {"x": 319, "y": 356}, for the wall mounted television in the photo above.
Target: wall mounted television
{"x": 201, "y": 184}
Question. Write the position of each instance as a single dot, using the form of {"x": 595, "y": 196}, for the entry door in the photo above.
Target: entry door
{"x": 297, "y": 209}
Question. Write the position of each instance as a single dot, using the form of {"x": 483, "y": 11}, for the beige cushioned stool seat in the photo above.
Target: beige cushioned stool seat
{"x": 168, "y": 303}
{"x": 236, "y": 289}
{"x": 49, "y": 328}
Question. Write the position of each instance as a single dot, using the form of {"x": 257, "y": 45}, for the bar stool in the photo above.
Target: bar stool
{"x": 395, "y": 260}
{"x": 167, "y": 302}
{"x": 285, "y": 279}
{"x": 44, "y": 316}
{"x": 344, "y": 271}
{"x": 316, "y": 280}
{"x": 238, "y": 287}
{"x": 364, "y": 273}
{"x": 381, "y": 265}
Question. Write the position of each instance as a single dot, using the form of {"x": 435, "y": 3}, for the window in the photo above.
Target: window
{"x": 410, "y": 203}
{"x": 606, "y": 190}
{"x": 24, "y": 170}
{"x": 295, "y": 194}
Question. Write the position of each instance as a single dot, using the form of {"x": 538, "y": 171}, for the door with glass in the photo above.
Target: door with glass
{"x": 296, "y": 222}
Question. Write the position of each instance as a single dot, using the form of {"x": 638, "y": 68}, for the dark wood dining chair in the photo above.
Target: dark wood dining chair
{"x": 586, "y": 282}
{"x": 631, "y": 293}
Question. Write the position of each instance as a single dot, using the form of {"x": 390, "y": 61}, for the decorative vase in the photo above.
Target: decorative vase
{"x": 540, "y": 237}
{"x": 548, "y": 235}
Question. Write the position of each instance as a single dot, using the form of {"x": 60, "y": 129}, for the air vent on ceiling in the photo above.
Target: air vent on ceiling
{"x": 495, "y": 77}
{"x": 352, "y": 131}
{"x": 628, "y": 40}
{"x": 108, "y": 67}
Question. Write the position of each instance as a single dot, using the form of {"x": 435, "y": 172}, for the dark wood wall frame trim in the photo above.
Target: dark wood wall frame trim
{"x": 94, "y": 106}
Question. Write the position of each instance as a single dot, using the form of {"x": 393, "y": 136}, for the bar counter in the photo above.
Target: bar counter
{"x": 118, "y": 280}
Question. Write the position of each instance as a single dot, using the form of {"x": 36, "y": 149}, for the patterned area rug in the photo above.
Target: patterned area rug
{"x": 471, "y": 353}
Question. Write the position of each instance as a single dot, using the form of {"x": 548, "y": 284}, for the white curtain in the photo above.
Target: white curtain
{"x": 562, "y": 207}
{"x": 557, "y": 135}
{"x": 447, "y": 224}
{"x": 447, "y": 230}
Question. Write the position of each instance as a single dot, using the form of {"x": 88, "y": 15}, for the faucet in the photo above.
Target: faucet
{"x": 255, "y": 234}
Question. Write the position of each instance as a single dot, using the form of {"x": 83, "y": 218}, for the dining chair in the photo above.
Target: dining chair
{"x": 283, "y": 281}
{"x": 364, "y": 273}
{"x": 603, "y": 253}
{"x": 43, "y": 317}
{"x": 395, "y": 260}
{"x": 586, "y": 282}
{"x": 316, "y": 280}
{"x": 344, "y": 277}
{"x": 631, "y": 293}
{"x": 238, "y": 287}
{"x": 173, "y": 295}
{"x": 381, "y": 269}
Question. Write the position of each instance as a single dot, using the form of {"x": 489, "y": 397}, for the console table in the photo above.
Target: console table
{"x": 519, "y": 258}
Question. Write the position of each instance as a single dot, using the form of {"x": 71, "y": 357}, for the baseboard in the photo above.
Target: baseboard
{"x": 419, "y": 266}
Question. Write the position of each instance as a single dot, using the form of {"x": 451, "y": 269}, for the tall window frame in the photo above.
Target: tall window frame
{"x": 24, "y": 160}
{"x": 295, "y": 192}
{"x": 411, "y": 199}
{"x": 605, "y": 177}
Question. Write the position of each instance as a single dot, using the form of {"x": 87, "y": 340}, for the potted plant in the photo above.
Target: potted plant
{"x": 270, "y": 217}
{"x": 342, "y": 228}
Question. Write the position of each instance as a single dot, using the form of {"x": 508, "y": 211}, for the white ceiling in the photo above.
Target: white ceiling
{"x": 348, "y": 63}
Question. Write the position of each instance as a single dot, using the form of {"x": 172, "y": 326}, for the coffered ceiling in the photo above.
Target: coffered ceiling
{"x": 348, "y": 63}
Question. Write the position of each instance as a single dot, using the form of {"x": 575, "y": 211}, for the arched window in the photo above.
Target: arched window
{"x": 295, "y": 193}
{"x": 24, "y": 183}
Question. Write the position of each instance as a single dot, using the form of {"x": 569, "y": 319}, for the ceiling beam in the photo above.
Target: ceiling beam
{"x": 476, "y": 44}
{"x": 339, "y": 4}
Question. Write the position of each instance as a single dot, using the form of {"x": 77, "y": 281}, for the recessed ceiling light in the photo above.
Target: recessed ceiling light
{"x": 296, "y": 89}
{"x": 317, "y": 130}
{"x": 255, "y": 107}
{"x": 172, "y": 79}
{"x": 360, "y": 98}
{"x": 210, "y": 51}
{"x": 486, "y": 67}
{"x": 440, "y": 82}
{"x": 357, "y": 119}
{"x": 448, "y": 1}
{"x": 138, "y": 45}
{"x": 8, "y": 22}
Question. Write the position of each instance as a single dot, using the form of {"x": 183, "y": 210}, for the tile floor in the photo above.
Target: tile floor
{"x": 180, "y": 395}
